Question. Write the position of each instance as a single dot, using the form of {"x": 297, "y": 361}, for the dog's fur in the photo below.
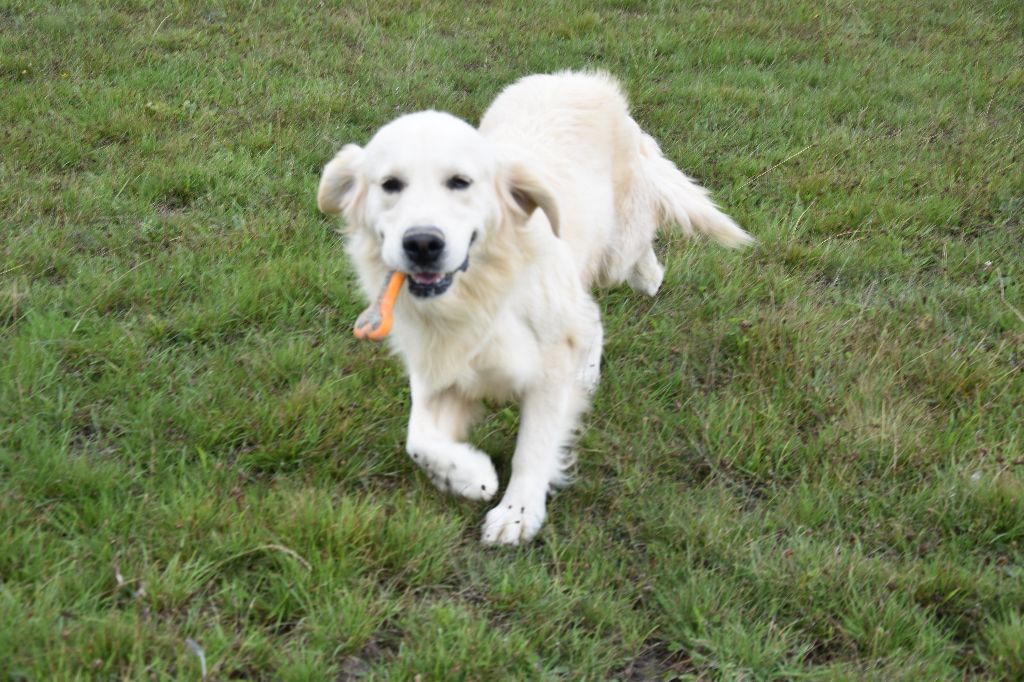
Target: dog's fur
{"x": 566, "y": 192}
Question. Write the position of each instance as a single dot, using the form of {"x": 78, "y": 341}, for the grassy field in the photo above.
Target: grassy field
{"x": 805, "y": 460}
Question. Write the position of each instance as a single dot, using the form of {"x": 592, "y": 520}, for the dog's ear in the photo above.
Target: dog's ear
{"x": 341, "y": 181}
{"x": 523, "y": 191}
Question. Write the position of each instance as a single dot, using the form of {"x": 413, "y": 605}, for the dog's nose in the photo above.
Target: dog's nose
{"x": 423, "y": 245}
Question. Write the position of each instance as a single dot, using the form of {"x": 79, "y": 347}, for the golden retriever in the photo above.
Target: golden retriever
{"x": 503, "y": 231}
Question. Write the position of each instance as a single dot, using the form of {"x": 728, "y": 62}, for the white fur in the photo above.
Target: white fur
{"x": 519, "y": 323}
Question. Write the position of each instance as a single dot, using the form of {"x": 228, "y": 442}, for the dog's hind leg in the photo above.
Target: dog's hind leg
{"x": 439, "y": 421}
{"x": 647, "y": 274}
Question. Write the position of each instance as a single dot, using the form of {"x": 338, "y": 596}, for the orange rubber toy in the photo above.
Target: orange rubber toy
{"x": 375, "y": 322}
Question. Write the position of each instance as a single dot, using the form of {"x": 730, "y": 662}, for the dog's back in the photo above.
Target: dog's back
{"x": 613, "y": 185}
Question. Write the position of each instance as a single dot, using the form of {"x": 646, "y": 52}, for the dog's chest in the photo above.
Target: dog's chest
{"x": 504, "y": 364}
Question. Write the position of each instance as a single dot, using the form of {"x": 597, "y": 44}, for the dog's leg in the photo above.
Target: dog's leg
{"x": 547, "y": 421}
{"x": 438, "y": 422}
{"x": 590, "y": 368}
{"x": 590, "y": 372}
{"x": 647, "y": 273}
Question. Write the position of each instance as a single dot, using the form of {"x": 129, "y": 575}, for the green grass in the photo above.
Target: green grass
{"x": 805, "y": 460}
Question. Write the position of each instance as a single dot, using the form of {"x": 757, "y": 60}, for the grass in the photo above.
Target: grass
{"x": 805, "y": 461}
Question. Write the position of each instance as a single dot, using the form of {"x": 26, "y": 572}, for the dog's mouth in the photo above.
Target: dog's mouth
{"x": 427, "y": 283}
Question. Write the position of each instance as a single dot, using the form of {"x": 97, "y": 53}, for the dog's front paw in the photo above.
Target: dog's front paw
{"x": 462, "y": 471}
{"x": 516, "y": 520}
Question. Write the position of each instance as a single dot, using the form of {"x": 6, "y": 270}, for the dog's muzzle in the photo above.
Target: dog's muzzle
{"x": 424, "y": 284}
{"x": 424, "y": 248}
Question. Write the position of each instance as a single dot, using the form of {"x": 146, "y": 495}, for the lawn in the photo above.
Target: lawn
{"x": 806, "y": 460}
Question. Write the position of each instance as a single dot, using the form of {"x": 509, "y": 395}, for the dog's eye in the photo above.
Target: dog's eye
{"x": 458, "y": 182}
{"x": 392, "y": 185}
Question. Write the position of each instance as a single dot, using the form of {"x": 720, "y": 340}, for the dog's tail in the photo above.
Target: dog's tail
{"x": 683, "y": 201}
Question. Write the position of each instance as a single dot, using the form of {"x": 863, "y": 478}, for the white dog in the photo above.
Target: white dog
{"x": 497, "y": 304}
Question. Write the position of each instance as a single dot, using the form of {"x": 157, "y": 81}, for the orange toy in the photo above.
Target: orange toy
{"x": 375, "y": 322}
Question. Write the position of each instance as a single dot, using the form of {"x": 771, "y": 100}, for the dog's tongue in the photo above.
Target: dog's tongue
{"x": 426, "y": 277}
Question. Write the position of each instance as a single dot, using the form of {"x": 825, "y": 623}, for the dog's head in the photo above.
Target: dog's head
{"x": 430, "y": 190}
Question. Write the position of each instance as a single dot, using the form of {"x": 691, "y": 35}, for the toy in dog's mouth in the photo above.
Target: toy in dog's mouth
{"x": 426, "y": 284}
{"x": 375, "y": 322}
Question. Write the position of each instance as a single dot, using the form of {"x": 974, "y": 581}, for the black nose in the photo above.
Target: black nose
{"x": 423, "y": 245}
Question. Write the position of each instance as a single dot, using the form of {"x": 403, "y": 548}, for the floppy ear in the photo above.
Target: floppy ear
{"x": 523, "y": 191}
{"x": 340, "y": 183}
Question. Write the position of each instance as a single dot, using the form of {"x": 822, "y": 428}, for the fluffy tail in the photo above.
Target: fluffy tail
{"x": 683, "y": 201}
